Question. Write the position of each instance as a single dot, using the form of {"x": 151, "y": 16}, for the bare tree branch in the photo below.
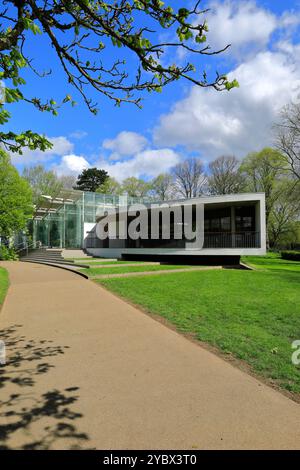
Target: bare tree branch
{"x": 288, "y": 136}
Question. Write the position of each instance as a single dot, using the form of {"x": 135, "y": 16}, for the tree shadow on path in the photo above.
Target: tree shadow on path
{"x": 20, "y": 405}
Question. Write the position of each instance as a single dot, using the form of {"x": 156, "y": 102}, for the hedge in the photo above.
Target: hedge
{"x": 291, "y": 255}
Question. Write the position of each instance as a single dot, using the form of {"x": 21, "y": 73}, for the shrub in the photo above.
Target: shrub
{"x": 291, "y": 255}
{"x": 7, "y": 254}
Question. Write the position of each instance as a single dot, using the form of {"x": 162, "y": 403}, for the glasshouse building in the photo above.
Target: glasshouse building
{"x": 233, "y": 225}
{"x": 64, "y": 221}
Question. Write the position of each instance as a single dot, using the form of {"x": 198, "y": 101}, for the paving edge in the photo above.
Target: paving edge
{"x": 149, "y": 273}
{"x": 62, "y": 266}
{"x": 247, "y": 267}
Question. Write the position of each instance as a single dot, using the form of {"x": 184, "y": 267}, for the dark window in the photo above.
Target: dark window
{"x": 217, "y": 220}
{"x": 225, "y": 224}
{"x": 245, "y": 219}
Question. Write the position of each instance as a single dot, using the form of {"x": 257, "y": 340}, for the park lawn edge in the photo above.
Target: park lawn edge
{"x": 4, "y": 284}
{"x": 119, "y": 269}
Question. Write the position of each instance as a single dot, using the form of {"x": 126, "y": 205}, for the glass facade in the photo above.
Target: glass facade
{"x": 62, "y": 225}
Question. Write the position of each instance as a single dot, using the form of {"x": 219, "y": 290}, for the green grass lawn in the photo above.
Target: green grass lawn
{"x": 131, "y": 269}
{"x": 3, "y": 284}
{"x": 254, "y": 315}
{"x": 103, "y": 263}
{"x": 272, "y": 262}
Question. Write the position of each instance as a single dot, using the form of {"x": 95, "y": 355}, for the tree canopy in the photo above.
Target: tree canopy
{"x": 135, "y": 187}
{"x": 42, "y": 182}
{"x": 189, "y": 178}
{"x": 91, "y": 179}
{"x": 284, "y": 218}
{"x": 110, "y": 186}
{"x": 263, "y": 171}
{"x": 161, "y": 186}
{"x": 80, "y": 31}
{"x": 288, "y": 137}
{"x": 225, "y": 176}
{"x": 15, "y": 198}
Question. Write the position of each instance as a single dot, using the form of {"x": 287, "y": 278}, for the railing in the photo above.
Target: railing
{"x": 24, "y": 247}
{"x": 212, "y": 240}
{"x": 231, "y": 240}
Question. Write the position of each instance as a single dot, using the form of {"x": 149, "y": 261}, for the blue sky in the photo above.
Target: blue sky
{"x": 183, "y": 120}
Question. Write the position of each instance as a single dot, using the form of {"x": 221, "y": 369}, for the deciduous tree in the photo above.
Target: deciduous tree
{"x": 67, "y": 181}
{"x": 110, "y": 186}
{"x": 263, "y": 170}
{"x": 288, "y": 137}
{"x": 161, "y": 186}
{"x": 225, "y": 176}
{"x": 80, "y": 31}
{"x": 135, "y": 187}
{"x": 16, "y": 205}
{"x": 284, "y": 217}
{"x": 189, "y": 178}
{"x": 42, "y": 182}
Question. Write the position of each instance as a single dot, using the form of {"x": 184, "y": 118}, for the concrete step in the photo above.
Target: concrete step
{"x": 49, "y": 250}
{"x": 53, "y": 262}
{"x": 74, "y": 253}
{"x": 44, "y": 255}
{"x": 47, "y": 255}
{"x": 73, "y": 268}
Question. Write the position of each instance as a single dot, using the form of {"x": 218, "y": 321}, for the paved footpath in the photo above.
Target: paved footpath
{"x": 86, "y": 370}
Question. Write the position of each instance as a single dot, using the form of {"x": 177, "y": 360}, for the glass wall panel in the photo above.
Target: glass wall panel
{"x": 64, "y": 228}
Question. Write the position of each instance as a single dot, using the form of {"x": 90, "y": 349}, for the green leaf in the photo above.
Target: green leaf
{"x": 233, "y": 84}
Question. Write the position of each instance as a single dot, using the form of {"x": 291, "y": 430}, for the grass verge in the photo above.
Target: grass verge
{"x": 271, "y": 262}
{"x": 93, "y": 272}
{"x": 103, "y": 263}
{"x": 3, "y": 284}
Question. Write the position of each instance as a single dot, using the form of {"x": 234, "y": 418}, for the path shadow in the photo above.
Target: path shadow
{"x": 28, "y": 359}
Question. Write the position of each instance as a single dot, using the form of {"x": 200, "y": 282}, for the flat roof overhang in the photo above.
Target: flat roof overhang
{"x": 52, "y": 204}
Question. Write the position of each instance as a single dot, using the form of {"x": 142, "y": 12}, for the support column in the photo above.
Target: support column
{"x": 63, "y": 227}
{"x": 257, "y": 226}
{"x": 34, "y": 230}
{"x": 232, "y": 225}
{"x": 48, "y": 230}
{"x": 82, "y": 222}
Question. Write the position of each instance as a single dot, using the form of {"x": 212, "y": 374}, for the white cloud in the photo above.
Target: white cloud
{"x": 126, "y": 143}
{"x": 239, "y": 24}
{"x": 147, "y": 162}
{"x": 61, "y": 146}
{"x": 289, "y": 19}
{"x": 141, "y": 162}
{"x": 240, "y": 120}
{"x": 78, "y": 134}
{"x": 71, "y": 165}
